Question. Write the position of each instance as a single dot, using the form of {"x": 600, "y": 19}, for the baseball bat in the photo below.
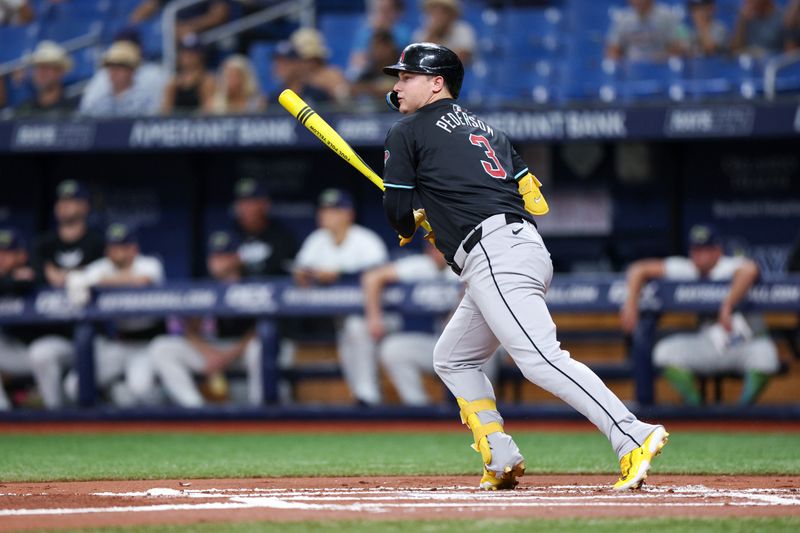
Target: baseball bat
{"x": 317, "y": 125}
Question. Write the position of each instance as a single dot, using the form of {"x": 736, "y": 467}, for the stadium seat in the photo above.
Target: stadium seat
{"x": 643, "y": 81}
{"x": 339, "y": 29}
{"x": 17, "y": 41}
{"x": 152, "y": 38}
{"x": 525, "y": 29}
{"x": 85, "y": 64}
{"x": 788, "y": 79}
{"x": 70, "y": 27}
{"x": 710, "y": 77}
{"x": 261, "y": 56}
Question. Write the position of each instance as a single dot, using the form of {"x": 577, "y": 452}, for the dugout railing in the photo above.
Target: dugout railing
{"x": 270, "y": 300}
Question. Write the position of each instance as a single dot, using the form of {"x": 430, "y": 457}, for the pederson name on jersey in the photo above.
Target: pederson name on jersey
{"x": 458, "y": 117}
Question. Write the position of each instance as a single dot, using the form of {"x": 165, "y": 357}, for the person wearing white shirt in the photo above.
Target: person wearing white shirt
{"x": 405, "y": 355}
{"x": 341, "y": 247}
{"x": 728, "y": 342}
{"x": 122, "y": 367}
{"x": 124, "y": 87}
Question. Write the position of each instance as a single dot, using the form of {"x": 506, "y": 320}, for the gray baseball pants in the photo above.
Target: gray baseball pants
{"x": 507, "y": 275}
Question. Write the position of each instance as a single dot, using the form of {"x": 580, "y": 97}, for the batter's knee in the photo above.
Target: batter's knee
{"x": 441, "y": 359}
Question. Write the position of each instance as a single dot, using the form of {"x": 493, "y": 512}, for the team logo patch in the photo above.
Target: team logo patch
{"x": 386, "y": 155}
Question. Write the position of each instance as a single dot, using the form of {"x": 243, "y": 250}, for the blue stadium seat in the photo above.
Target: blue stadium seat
{"x": 647, "y": 81}
{"x": 17, "y": 41}
{"x": 261, "y": 56}
{"x": 85, "y": 64}
{"x": 70, "y": 27}
{"x": 152, "y": 38}
{"x": 526, "y": 29}
{"x": 710, "y": 77}
{"x": 339, "y": 30}
{"x": 788, "y": 79}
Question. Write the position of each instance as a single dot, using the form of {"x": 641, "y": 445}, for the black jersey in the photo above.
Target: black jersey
{"x": 462, "y": 170}
{"x": 67, "y": 255}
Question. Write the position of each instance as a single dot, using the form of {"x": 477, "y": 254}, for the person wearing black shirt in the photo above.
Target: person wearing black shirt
{"x": 473, "y": 185}
{"x": 50, "y": 64}
{"x": 16, "y": 279}
{"x": 71, "y": 245}
{"x": 266, "y": 247}
{"x": 208, "y": 347}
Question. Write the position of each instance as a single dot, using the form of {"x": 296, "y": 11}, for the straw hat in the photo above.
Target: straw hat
{"x": 455, "y": 5}
{"x": 309, "y": 44}
{"x": 123, "y": 53}
{"x": 50, "y": 53}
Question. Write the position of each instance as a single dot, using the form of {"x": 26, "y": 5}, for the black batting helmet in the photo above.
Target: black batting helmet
{"x": 430, "y": 58}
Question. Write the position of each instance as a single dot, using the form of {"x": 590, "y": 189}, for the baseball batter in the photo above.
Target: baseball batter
{"x": 478, "y": 196}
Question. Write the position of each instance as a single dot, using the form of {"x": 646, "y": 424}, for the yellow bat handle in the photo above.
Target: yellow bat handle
{"x": 317, "y": 125}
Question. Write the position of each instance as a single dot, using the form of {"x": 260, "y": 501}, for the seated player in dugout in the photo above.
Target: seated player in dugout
{"x": 208, "y": 346}
{"x": 341, "y": 248}
{"x": 728, "y": 341}
{"x": 466, "y": 175}
{"x": 16, "y": 280}
{"x": 122, "y": 368}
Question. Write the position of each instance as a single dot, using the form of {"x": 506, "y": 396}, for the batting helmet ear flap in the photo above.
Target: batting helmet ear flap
{"x": 392, "y": 101}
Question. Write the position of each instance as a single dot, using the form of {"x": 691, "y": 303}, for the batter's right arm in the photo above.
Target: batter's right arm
{"x": 639, "y": 273}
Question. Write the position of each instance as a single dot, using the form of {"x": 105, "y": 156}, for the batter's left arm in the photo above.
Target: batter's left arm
{"x": 398, "y": 205}
{"x": 744, "y": 278}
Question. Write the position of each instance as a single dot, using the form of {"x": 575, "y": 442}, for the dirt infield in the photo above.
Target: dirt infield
{"x": 107, "y": 503}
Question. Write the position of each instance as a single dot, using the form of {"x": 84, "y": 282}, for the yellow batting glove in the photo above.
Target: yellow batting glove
{"x": 535, "y": 203}
{"x": 419, "y": 216}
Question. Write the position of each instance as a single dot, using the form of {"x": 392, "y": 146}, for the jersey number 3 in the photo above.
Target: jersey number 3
{"x": 493, "y": 167}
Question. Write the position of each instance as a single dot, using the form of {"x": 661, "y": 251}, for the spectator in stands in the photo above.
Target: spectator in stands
{"x": 237, "y": 88}
{"x": 266, "y": 247}
{"x": 325, "y": 82}
{"x": 148, "y": 77}
{"x": 708, "y": 35}
{"x": 191, "y": 19}
{"x": 371, "y": 82}
{"x": 792, "y": 24}
{"x": 177, "y": 357}
{"x": 405, "y": 354}
{"x": 647, "y": 31}
{"x": 50, "y": 64}
{"x": 192, "y": 87}
{"x": 729, "y": 342}
{"x": 125, "y": 98}
{"x": 16, "y": 279}
{"x": 122, "y": 368}
{"x": 341, "y": 248}
{"x": 70, "y": 246}
{"x": 793, "y": 264}
{"x": 443, "y": 25}
{"x": 16, "y": 12}
{"x": 759, "y": 29}
{"x": 382, "y": 16}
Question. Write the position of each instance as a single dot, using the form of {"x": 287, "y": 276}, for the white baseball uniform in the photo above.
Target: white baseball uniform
{"x": 113, "y": 358}
{"x": 361, "y": 249}
{"x": 13, "y": 362}
{"x": 710, "y": 350}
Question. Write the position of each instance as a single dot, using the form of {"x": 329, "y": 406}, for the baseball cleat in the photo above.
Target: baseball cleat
{"x": 634, "y": 465}
{"x": 507, "y": 481}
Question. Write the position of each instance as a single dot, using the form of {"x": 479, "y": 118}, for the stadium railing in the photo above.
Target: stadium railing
{"x": 270, "y": 299}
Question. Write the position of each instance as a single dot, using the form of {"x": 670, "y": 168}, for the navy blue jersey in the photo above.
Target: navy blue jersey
{"x": 462, "y": 170}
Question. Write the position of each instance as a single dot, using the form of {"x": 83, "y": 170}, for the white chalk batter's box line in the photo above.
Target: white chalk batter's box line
{"x": 384, "y": 499}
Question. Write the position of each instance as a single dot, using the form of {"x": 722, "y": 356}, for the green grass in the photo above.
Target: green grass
{"x": 52, "y": 457}
{"x": 662, "y": 525}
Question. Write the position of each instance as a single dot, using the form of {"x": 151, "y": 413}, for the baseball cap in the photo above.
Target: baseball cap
{"x": 10, "y": 239}
{"x": 222, "y": 242}
{"x": 119, "y": 233}
{"x": 703, "y": 235}
{"x": 336, "y": 198}
{"x": 72, "y": 189}
{"x": 249, "y": 188}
